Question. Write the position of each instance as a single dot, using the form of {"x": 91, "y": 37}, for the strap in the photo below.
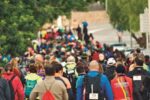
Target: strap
{"x": 127, "y": 86}
{"x": 118, "y": 79}
{"x": 12, "y": 78}
{"x": 10, "y": 81}
{"x": 50, "y": 86}
{"x": 58, "y": 78}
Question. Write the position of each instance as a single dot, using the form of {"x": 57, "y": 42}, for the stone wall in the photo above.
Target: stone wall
{"x": 92, "y": 17}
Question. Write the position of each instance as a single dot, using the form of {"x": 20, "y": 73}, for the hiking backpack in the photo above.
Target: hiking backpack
{"x": 30, "y": 84}
{"x": 141, "y": 88}
{"x": 48, "y": 94}
{"x": 70, "y": 74}
{"x": 92, "y": 89}
{"x": 12, "y": 93}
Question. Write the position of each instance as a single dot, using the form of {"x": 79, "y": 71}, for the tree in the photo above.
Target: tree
{"x": 124, "y": 14}
{"x": 21, "y": 19}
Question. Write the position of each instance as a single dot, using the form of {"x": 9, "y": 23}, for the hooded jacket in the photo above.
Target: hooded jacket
{"x": 17, "y": 85}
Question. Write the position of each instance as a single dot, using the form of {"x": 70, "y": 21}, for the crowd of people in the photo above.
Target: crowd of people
{"x": 60, "y": 66}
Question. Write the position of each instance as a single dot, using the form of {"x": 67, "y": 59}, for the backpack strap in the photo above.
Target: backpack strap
{"x": 86, "y": 77}
{"x": 47, "y": 89}
{"x": 58, "y": 78}
{"x": 127, "y": 86}
{"x": 123, "y": 90}
{"x": 12, "y": 78}
{"x": 10, "y": 81}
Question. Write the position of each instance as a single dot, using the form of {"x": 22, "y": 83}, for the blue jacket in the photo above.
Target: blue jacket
{"x": 105, "y": 85}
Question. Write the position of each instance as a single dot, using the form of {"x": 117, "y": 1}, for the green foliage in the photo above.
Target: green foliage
{"x": 21, "y": 19}
{"x": 124, "y": 14}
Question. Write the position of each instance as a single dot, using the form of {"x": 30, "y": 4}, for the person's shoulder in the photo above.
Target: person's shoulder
{"x": 128, "y": 78}
{"x": 65, "y": 80}
{"x": 130, "y": 73}
{"x": 103, "y": 76}
{"x": 2, "y": 80}
{"x": 59, "y": 84}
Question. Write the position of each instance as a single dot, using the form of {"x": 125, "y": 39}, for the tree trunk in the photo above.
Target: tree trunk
{"x": 140, "y": 40}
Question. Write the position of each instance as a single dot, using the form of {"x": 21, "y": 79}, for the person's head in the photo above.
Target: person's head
{"x": 49, "y": 70}
{"x": 132, "y": 57}
{"x": 39, "y": 58}
{"x": 71, "y": 59}
{"x": 94, "y": 66}
{"x": 101, "y": 57}
{"x": 139, "y": 62}
{"x": 58, "y": 68}
{"x": 8, "y": 68}
{"x": 111, "y": 62}
{"x": 14, "y": 62}
{"x": 32, "y": 68}
{"x": 120, "y": 69}
{"x": 138, "y": 50}
{"x": 39, "y": 65}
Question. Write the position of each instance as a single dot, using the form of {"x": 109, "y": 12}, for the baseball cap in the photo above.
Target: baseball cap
{"x": 111, "y": 61}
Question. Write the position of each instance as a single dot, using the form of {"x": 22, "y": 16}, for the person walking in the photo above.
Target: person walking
{"x": 122, "y": 86}
{"x": 56, "y": 87}
{"x": 138, "y": 75}
{"x": 4, "y": 88}
{"x": 94, "y": 85}
{"x": 16, "y": 87}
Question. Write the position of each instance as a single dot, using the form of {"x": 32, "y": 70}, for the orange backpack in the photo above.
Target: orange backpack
{"x": 48, "y": 94}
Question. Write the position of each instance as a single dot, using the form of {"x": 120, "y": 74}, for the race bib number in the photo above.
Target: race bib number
{"x": 93, "y": 96}
{"x": 137, "y": 78}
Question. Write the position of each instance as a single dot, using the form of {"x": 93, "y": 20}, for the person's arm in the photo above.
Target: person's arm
{"x": 65, "y": 94}
{"x": 34, "y": 93}
{"x": 20, "y": 90}
{"x": 107, "y": 88}
{"x": 79, "y": 94}
{"x": 79, "y": 89}
{"x": 7, "y": 91}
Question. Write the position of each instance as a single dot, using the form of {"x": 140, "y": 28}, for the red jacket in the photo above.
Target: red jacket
{"x": 17, "y": 85}
{"x": 124, "y": 85}
{"x": 95, "y": 56}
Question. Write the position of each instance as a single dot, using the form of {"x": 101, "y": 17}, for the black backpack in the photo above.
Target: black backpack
{"x": 92, "y": 85}
{"x": 146, "y": 88}
{"x": 141, "y": 88}
{"x": 110, "y": 72}
{"x": 70, "y": 74}
{"x": 12, "y": 88}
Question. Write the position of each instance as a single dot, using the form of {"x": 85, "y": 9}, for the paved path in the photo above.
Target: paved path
{"x": 105, "y": 33}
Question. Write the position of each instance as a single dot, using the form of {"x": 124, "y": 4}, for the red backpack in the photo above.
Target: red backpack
{"x": 48, "y": 94}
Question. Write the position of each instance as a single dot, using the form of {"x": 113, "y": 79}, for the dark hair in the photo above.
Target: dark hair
{"x": 147, "y": 58}
{"x": 32, "y": 68}
{"x": 80, "y": 69}
{"x": 1, "y": 69}
{"x": 8, "y": 67}
{"x": 49, "y": 70}
{"x": 138, "y": 50}
{"x": 120, "y": 68}
{"x": 58, "y": 67}
{"x": 139, "y": 61}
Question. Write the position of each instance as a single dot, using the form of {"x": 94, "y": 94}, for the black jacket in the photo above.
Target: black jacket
{"x": 140, "y": 90}
{"x": 110, "y": 72}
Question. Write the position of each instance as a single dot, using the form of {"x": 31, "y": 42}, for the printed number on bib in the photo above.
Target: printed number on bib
{"x": 93, "y": 96}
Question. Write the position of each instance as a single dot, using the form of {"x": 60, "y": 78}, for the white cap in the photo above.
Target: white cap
{"x": 111, "y": 61}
